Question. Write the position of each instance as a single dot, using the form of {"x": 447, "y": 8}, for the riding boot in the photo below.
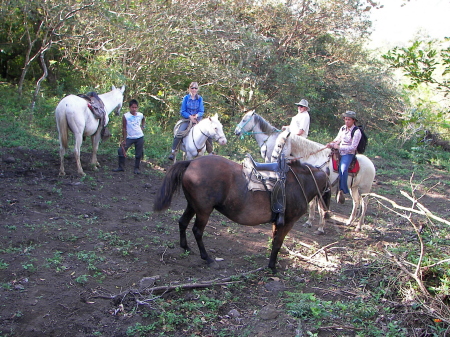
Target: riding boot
{"x": 137, "y": 161}
{"x": 121, "y": 165}
{"x": 176, "y": 143}
{"x": 209, "y": 146}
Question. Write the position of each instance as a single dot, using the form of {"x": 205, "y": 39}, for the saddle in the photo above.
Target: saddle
{"x": 182, "y": 134}
{"x": 270, "y": 177}
{"x": 97, "y": 107}
{"x": 353, "y": 168}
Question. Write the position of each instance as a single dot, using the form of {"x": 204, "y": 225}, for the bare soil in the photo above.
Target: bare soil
{"x": 78, "y": 256}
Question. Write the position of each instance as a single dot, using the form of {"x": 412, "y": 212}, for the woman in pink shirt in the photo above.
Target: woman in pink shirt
{"x": 346, "y": 144}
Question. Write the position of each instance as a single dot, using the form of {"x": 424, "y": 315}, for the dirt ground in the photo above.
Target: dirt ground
{"x": 78, "y": 256}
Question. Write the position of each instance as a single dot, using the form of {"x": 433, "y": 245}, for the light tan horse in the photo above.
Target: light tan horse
{"x": 73, "y": 113}
{"x": 318, "y": 155}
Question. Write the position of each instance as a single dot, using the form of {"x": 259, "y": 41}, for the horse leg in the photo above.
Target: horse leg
{"x": 322, "y": 215}
{"x": 356, "y": 201}
{"x": 364, "y": 202}
{"x": 183, "y": 224}
{"x": 62, "y": 152}
{"x": 76, "y": 151}
{"x": 95, "y": 139}
{"x": 62, "y": 135}
{"x": 324, "y": 210}
{"x": 199, "y": 226}
{"x": 311, "y": 213}
{"x": 278, "y": 235}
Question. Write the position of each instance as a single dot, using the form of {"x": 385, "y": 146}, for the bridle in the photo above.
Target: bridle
{"x": 251, "y": 132}
{"x": 215, "y": 137}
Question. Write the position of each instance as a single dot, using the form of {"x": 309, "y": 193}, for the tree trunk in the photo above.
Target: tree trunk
{"x": 43, "y": 77}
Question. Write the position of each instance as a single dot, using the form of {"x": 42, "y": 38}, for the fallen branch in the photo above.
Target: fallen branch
{"x": 421, "y": 211}
{"x": 339, "y": 327}
{"x": 165, "y": 289}
{"x": 308, "y": 258}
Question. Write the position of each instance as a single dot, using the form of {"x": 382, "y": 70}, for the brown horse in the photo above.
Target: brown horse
{"x": 214, "y": 182}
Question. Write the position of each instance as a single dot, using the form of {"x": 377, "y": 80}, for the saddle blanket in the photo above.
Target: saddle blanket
{"x": 258, "y": 180}
{"x": 352, "y": 170}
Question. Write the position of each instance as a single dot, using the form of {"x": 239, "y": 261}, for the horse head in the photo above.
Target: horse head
{"x": 120, "y": 92}
{"x": 246, "y": 124}
{"x": 215, "y": 130}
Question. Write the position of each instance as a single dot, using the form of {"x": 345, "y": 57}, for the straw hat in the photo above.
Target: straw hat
{"x": 304, "y": 103}
{"x": 350, "y": 114}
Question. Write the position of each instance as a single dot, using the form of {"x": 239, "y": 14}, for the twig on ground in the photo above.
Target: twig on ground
{"x": 166, "y": 289}
{"x": 308, "y": 258}
{"x": 162, "y": 255}
{"x": 324, "y": 248}
{"x": 339, "y": 327}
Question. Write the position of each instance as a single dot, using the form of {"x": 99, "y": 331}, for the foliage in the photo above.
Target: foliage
{"x": 427, "y": 65}
{"x": 244, "y": 54}
{"x": 422, "y": 62}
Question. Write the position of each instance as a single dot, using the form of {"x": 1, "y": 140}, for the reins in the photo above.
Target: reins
{"x": 317, "y": 187}
{"x": 207, "y": 136}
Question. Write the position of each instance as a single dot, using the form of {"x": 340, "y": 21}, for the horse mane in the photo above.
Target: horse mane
{"x": 264, "y": 125}
{"x": 302, "y": 147}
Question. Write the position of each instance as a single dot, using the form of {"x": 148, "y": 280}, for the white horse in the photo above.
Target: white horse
{"x": 265, "y": 134}
{"x": 73, "y": 113}
{"x": 194, "y": 143}
{"x": 318, "y": 155}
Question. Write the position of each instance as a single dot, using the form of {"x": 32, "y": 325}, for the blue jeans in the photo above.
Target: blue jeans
{"x": 343, "y": 172}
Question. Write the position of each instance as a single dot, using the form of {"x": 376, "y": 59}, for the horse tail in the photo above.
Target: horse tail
{"x": 171, "y": 184}
{"x": 61, "y": 124}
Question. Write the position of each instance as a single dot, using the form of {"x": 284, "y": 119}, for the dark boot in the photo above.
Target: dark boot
{"x": 121, "y": 165}
{"x": 175, "y": 145}
{"x": 137, "y": 161}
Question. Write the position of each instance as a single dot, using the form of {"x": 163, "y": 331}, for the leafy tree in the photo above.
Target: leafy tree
{"x": 425, "y": 63}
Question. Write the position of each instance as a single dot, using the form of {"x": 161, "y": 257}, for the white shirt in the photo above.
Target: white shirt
{"x": 134, "y": 130}
{"x": 300, "y": 122}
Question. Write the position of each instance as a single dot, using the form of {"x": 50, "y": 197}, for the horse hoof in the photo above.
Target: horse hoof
{"x": 307, "y": 225}
{"x": 213, "y": 264}
{"x": 319, "y": 233}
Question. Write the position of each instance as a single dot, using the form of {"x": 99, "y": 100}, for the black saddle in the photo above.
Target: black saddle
{"x": 278, "y": 195}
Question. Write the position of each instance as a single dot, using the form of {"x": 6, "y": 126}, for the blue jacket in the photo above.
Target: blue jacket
{"x": 192, "y": 106}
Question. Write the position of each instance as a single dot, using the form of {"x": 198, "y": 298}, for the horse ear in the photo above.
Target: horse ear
{"x": 122, "y": 89}
{"x": 113, "y": 88}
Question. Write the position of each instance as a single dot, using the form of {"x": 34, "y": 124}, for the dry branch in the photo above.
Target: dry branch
{"x": 434, "y": 306}
{"x": 165, "y": 289}
{"x": 421, "y": 211}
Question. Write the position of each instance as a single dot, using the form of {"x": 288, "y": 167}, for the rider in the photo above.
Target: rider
{"x": 299, "y": 127}
{"x": 346, "y": 144}
{"x": 300, "y": 122}
{"x": 192, "y": 110}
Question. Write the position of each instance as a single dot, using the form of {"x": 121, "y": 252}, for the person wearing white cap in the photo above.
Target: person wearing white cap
{"x": 300, "y": 122}
{"x": 346, "y": 143}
